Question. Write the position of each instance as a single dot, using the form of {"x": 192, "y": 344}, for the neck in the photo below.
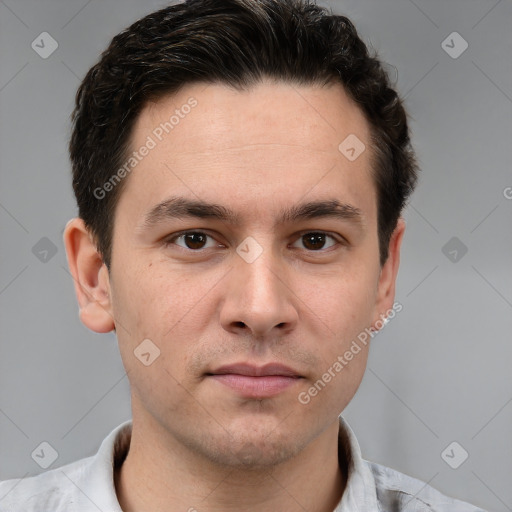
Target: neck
{"x": 160, "y": 474}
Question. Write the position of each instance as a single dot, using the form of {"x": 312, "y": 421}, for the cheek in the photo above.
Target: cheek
{"x": 342, "y": 301}
{"x": 168, "y": 307}
{"x": 340, "y": 308}
{"x": 152, "y": 300}
{"x": 158, "y": 306}
{"x": 336, "y": 382}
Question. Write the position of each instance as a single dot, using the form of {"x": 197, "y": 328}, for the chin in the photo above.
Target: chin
{"x": 257, "y": 454}
{"x": 248, "y": 447}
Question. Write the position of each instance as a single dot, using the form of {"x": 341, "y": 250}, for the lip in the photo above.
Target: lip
{"x": 256, "y": 381}
{"x": 251, "y": 370}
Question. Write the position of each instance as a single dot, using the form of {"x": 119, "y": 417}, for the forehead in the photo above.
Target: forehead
{"x": 273, "y": 141}
{"x": 312, "y": 117}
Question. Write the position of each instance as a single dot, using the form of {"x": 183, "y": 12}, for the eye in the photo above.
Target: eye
{"x": 315, "y": 241}
{"x": 192, "y": 240}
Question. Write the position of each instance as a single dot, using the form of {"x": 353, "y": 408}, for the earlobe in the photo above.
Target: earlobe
{"x": 388, "y": 274}
{"x": 91, "y": 278}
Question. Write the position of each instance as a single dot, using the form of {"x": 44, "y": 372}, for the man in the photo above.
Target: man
{"x": 240, "y": 168}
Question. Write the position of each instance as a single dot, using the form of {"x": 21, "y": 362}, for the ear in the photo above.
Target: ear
{"x": 387, "y": 278}
{"x": 92, "y": 283}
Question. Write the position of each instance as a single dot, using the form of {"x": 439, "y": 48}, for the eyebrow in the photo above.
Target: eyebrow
{"x": 180, "y": 207}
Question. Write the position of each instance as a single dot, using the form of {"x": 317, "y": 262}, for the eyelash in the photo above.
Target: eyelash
{"x": 339, "y": 241}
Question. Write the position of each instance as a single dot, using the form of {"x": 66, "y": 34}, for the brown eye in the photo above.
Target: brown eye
{"x": 315, "y": 241}
{"x": 193, "y": 240}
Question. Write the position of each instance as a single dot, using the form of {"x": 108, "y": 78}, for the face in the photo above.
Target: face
{"x": 245, "y": 248}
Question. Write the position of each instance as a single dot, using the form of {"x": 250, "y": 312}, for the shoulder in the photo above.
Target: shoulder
{"x": 84, "y": 485}
{"x": 397, "y": 492}
{"x": 53, "y": 490}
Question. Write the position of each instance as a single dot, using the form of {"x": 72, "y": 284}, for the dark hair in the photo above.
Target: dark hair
{"x": 238, "y": 43}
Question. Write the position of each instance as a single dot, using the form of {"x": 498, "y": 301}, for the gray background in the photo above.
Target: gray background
{"x": 439, "y": 372}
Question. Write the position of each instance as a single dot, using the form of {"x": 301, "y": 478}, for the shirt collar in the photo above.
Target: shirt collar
{"x": 360, "y": 494}
{"x": 97, "y": 479}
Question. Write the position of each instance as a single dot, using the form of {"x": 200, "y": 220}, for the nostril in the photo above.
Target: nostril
{"x": 239, "y": 324}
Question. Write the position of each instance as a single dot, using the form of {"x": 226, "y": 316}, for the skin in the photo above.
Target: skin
{"x": 196, "y": 443}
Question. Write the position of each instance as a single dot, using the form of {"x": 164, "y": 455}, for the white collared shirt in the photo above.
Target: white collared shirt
{"x": 87, "y": 485}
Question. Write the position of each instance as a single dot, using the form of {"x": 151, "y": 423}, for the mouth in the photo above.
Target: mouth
{"x": 253, "y": 381}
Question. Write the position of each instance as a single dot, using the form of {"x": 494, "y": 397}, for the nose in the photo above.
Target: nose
{"x": 258, "y": 300}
